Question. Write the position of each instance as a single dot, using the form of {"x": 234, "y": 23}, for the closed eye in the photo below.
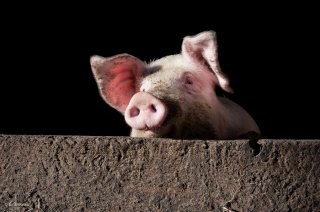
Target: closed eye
{"x": 188, "y": 81}
{"x": 187, "y": 78}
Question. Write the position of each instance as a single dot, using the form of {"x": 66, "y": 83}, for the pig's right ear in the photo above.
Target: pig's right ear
{"x": 117, "y": 78}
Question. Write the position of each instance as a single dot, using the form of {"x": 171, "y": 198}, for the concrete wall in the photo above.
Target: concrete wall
{"x": 79, "y": 173}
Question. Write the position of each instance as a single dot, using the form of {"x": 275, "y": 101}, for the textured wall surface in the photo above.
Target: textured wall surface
{"x": 79, "y": 173}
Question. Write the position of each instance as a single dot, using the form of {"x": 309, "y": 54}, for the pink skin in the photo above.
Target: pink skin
{"x": 187, "y": 79}
{"x": 145, "y": 112}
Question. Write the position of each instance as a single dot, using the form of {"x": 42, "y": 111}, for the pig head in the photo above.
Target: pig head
{"x": 173, "y": 97}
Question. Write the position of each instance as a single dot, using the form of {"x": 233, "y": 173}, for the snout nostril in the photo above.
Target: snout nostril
{"x": 153, "y": 108}
{"x": 134, "y": 112}
{"x": 145, "y": 112}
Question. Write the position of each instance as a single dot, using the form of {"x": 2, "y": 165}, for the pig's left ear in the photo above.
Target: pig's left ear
{"x": 202, "y": 50}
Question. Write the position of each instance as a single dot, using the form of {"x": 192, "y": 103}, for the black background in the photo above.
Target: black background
{"x": 47, "y": 87}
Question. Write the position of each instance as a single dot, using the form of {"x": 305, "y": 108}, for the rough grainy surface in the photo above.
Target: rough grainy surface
{"x": 79, "y": 173}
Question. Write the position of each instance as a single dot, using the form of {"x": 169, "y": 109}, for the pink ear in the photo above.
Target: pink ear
{"x": 202, "y": 50}
{"x": 117, "y": 78}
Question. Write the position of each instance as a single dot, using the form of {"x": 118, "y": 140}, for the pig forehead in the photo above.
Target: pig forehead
{"x": 163, "y": 78}
{"x": 173, "y": 62}
{"x": 171, "y": 66}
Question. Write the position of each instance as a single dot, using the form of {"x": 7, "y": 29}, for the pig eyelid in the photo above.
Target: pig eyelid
{"x": 187, "y": 78}
{"x": 142, "y": 89}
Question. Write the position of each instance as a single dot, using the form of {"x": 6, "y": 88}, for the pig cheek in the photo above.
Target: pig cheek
{"x": 170, "y": 125}
{"x": 196, "y": 122}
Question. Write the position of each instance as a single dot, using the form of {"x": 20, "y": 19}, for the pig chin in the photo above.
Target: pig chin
{"x": 158, "y": 132}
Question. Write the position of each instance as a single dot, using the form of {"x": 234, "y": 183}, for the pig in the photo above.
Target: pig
{"x": 175, "y": 96}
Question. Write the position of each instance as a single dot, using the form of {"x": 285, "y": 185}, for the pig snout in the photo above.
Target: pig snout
{"x": 145, "y": 112}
